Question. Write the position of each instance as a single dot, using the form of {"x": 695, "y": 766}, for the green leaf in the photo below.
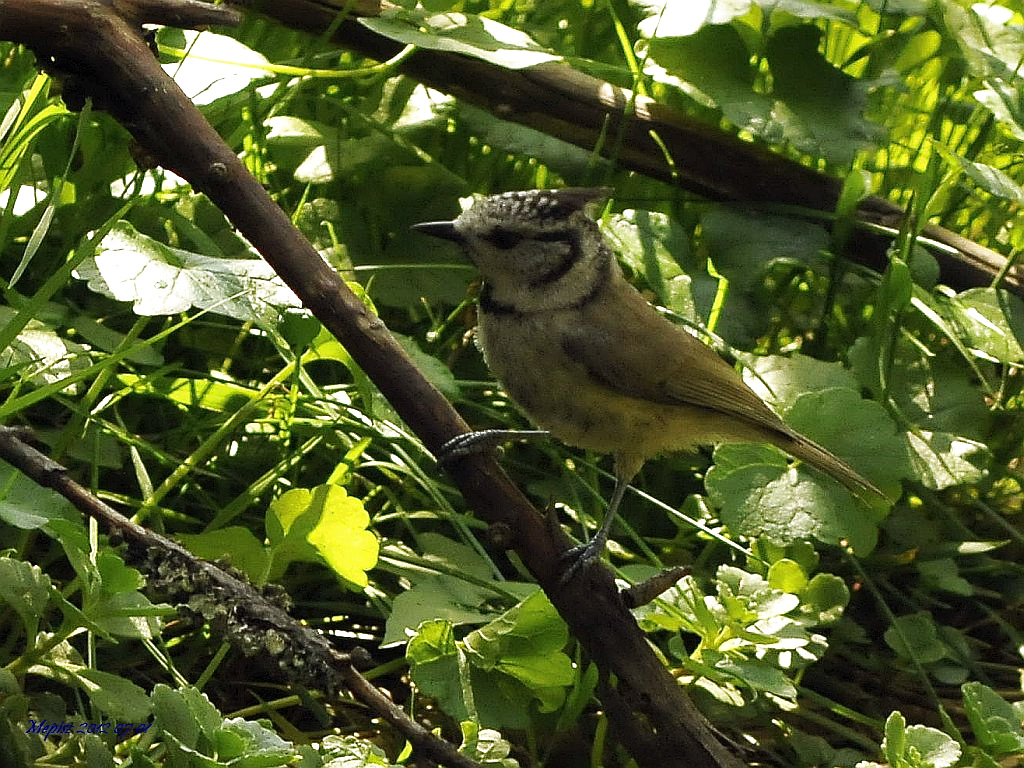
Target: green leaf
{"x": 894, "y": 744}
{"x": 115, "y": 696}
{"x": 903, "y": 7}
{"x": 435, "y": 371}
{"x": 990, "y": 45}
{"x": 758, "y": 492}
{"x": 935, "y": 748}
{"x": 989, "y": 321}
{"x": 655, "y": 246}
{"x": 348, "y": 752}
{"x": 670, "y": 18}
{"x": 235, "y": 543}
{"x": 24, "y": 121}
{"x": 476, "y": 36}
{"x": 209, "y": 394}
{"x": 433, "y": 659}
{"x": 915, "y": 637}
{"x": 787, "y": 576}
{"x": 825, "y": 598}
{"x": 822, "y": 401}
{"x": 486, "y": 746}
{"x": 941, "y": 460}
{"x": 895, "y": 291}
{"x": 433, "y": 640}
{"x": 111, "y": 695}
{"x": 445, "y": 595}
{"x": 526, "y": 643}
{"x": 161, "y": 280}
{"x": 113, "y": 601}
{"x": 820, "y": 108}
{"x": 126, "y": 614}
{"x": 808, "y": 9}
{"x": 25, "y": 505}
{"x": 814, "y": 106}
{"x": 185, "y": 714}
{"x": 318, "y": 153}
{"x": 744, "y": 244}
{"x": 781, "y": 381}
{"x": 440, "y": 597}
{"x": 917, "y": 746}
{"x": 567, "y": 159}
{"x": 932, "y": 391}
{"x": 97, "y": 753}
{"x": 859, "y": 431}
{"x": 327, "y": 521}
{"x": 760, "y": 677}
{"x": 216, "y": 66}
{"x": 516, "y": 664}
{"x": 717, "y": 61}
{"x": 1003, "y": 98}
{"x": 995, "y": 722}
{"x": 988, "y": 178}
{"x": 944, "y": 574}
{"x": 532, "y": 626}
{"x": 299, "y": 328}
{"x": 197, "y": 734}
{"x": 42, "y": 356}
{"x": 26, "y": 589}
{"x": 246, "y": 744}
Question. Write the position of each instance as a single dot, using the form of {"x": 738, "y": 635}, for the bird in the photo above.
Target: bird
{"x": 589, "y": 360}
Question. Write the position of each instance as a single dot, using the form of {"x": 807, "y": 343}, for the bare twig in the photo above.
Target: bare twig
{"x": 254, "y": 621}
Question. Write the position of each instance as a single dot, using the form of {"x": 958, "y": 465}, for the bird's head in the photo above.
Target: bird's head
{"x": 534, "y": 248}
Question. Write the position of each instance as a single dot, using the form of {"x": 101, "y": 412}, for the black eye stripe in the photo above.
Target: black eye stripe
{"x": 503, "y": 238}
{"x": 554, "y": 235}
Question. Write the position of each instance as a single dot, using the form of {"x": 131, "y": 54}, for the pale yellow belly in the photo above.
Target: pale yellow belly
{"x": 559, "y": 395}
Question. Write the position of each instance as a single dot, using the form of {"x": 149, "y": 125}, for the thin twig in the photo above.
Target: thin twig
{"x": 247, "y": 617}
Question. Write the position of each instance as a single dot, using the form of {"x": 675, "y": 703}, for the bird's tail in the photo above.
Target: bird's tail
{"x": 821, "y": 458}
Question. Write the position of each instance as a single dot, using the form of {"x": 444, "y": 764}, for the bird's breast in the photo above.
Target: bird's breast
{"x": 527, "y": 356}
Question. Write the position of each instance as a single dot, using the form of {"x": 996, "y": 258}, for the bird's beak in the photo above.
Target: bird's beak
{"x": 442, "y": 229}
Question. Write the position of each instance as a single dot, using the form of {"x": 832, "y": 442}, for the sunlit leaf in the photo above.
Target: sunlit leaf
{"x": 996, "y": 723}
{"x": 161, "y": 280}
{"x": 327, "y": 521}
{"x": 215, "y": 66}
{"x": 476, "y": 36}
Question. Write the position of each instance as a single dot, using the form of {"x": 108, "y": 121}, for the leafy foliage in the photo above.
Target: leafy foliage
{"x": 175, "y": 376}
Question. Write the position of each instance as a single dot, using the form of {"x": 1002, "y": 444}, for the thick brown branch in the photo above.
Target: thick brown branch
{"x": 637, "y": 133}
{"x": 111, "y": 63}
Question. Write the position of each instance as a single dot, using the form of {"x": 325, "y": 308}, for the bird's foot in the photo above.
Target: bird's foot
{"x": 469, "y": 443}
{"x": 578, "y": 559}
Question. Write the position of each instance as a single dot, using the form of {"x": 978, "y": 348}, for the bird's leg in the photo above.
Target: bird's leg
{"x": 578, "y": 558}
{"x": 474, "y": 442}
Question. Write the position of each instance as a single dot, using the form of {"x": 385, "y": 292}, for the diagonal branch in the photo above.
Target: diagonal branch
{"x": 570, "y": 105}
{"x": 110, "y": 63}
{"x": 246, "y": 616}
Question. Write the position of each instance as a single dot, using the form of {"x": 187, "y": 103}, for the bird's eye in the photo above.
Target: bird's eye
{"x": 504, "y": 238}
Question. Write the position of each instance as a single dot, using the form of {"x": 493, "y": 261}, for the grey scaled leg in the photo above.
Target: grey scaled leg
{"x": 580, "y": 557}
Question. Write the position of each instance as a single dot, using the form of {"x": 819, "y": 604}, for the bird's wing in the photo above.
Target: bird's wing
{"x": 626, "y": 346}
{"x": 629, "y": 348}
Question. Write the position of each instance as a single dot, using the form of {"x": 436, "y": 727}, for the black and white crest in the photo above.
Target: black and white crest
{"x": 541, "y": 205}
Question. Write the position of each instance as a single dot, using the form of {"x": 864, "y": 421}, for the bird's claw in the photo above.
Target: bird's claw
{"x": 578, "y": 559}
{"x": 468, "y": 443}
